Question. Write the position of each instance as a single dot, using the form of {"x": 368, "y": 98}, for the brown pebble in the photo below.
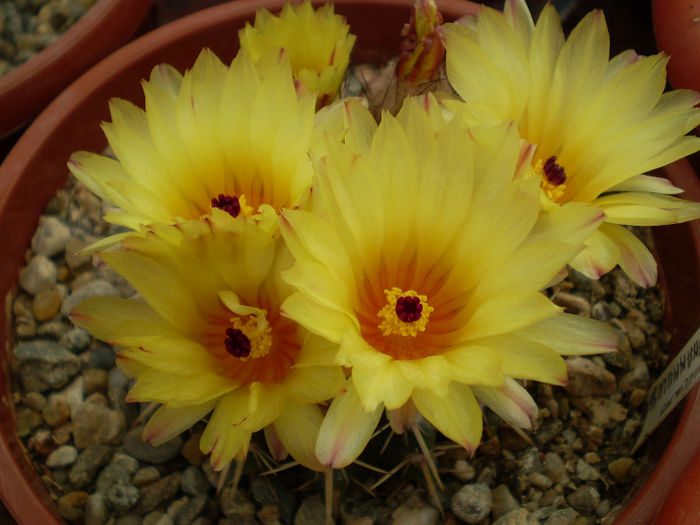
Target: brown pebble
{"x": 269, "y": 514}
{"x": 190, "y": 450}
{"x": 572, "y": 303}
{"x": 42, "y": 443}
{"x": 75, "y": 260}
{"x": 57, "y": 411}
{"x": 46, "y": 304}
{"x": 586, "y": 378}
{"x": 621, "y": 469}
{"x": 74, "y": 499}
{"x": 637, "y": 397}
{"x": 61, "y": 435}
{"x": 95, "y": 380}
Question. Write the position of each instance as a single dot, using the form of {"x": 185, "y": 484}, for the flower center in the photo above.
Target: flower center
{"x": 406, "y": 313}
{"x": 553, "y": 178}
{"x": 232, "y": 205}
{"x": 249, "y": 339}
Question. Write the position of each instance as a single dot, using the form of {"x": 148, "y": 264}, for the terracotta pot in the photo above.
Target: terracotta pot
{"x": 678, "y": 34}
{"x": 35, "y": 169}
{"x": 28, "y": 89}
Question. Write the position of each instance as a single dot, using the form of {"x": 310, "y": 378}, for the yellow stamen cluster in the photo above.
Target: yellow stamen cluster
{"x": 553, "y": 192}
{"x": 392, "y": 325}
{"x": 258, "y": 332}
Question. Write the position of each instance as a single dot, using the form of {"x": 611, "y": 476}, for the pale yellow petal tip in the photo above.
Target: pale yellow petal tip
{"x": 317, "y": 43}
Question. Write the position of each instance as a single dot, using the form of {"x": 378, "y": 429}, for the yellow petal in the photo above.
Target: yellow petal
{"x": 381, "y": 385}
{"x": 570, "y": 334}
{"x": 345, "y": 430}
{"x": 526, "y": 359}
{"x": 635, "y": 259}
{"x": 475, "y": 364}
{"x": 298, "y": 426}
{"x": 511, "y": 402}
{"x": 313, "y": 384}
{"x": 154, "y": 385}
{"x": 599, "y": 256}
{"x": 167, "y": 423}
{"x": 457, "y": 415}
{"x": 644, "y": 209}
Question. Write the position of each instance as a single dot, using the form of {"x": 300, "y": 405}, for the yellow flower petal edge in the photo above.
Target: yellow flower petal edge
{"x": 317, "y": 43}
{"x": 215, "y": 340}
{"x": 409, "y": 261}
{"x": 597, "y": 123}
{"x": 208, "y": 139}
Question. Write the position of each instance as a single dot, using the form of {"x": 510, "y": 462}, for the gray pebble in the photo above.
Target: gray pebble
{"x": 193, "y": 482}
{"x": 637, "y": 377}
{"x": 312, "y": 511}
{"x": 95, "y": 380}
{"x": 88, "y": 463}
{"x": 584, "y": 499}
{"x": 129, "y": 519}
{"x": 93, "y": 423}
{"x": 472, "y": 503}
{"x": 540, "y": 480}
{"x": 554, "y": 468}
{"x": 51, "y": 237}
{"x": 155, "y": 494}
{"x": 44, "y": 365}
{"x": 96, "y": 288}
{"x": 586, "y": 472}
{"x": 126, "y": 462}
{"x": 235, "y": 504}
{"x": 145, "y": 476}
{"x": 110, "y": 475}
{"x": 135, "y": 446}
{"x": 586, "y": 378}
{"x": 517, "y": 516}
{"x": 190, "y": 510}
{"x": 604, "y": 412}
{"x": 463, "y": 470}
{"x": 502, "y": 501}
{"x": 63, "y": 456}
{"x": 76, "y": 339}
{"x": 39, "y": 275}
{"x": 562, "y": 517}
{"x": 95, "y": 510}
{"x": 102, "y": 357}
{"x": 415, "y": 512}
{"x": 54, "y": 329}
{"x": 121, "y": 496}
{"x": 270, "y": 491}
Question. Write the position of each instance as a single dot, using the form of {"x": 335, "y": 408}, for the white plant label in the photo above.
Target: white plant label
{"x": 672, "y": 386}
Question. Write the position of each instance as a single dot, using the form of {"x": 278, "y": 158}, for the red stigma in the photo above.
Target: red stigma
{"x": 236, "y": 342}
{"x": 408, "y": 309}
{"x": 227, "y": 203}
{"x": 554, "y": 173}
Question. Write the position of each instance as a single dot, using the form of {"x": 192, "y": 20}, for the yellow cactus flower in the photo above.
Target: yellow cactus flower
{"x": 234, "y": 138}
{"x": 598, "y": 123}
{"x": 424, "y": 260}
{"x": 423, "y": 46}
{"x": 318, "y": 44}
{"x": 209, "y": 337}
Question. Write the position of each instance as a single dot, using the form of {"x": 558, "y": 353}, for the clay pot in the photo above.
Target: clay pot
{"x": 35, "y": 169}
{"x": 28, "y": 89}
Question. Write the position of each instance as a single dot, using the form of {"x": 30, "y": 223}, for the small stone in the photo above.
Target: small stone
{"x": 235, "y": 504}
{"x": 95, "y": 380}
{"x": 586, "y": 472}
{"x": 605, "y": 413}
{"x": 74, "y": 260}
{"x": 517, "y": 516}
{"x": 42, "y": 442}
{"x": 562, "y": 517}
{"x": 51, "y": 237}
{"x": 129, "y": 519}
{"x": 93, "y": 423}
{"x": 88, "y": 463}
{"x": 190, "y": 450}
{"x": 95, "y": 510}
{"x": 312, "y": 511}
{"x": 190, "y": 510}
{"x": 586, "y": 378}
{"x": 102, "y": 357}
{"x": 270, "y": 491}
{"x": 637, "y": 397}
{"x": 472, "y": 503}
{"x": 463, "y": 470}
{"x": 125, "y": 462}
{"x": 46, "y": 304}
{"x": 76, "y": 339}
{"x": 601, "y": 312}
{"x": 71, "y": 505}
{"x": 62, "y": 457}
{"x": 110, "y": 475}
{"x": 637, "y": 377}
{"x": 135, "y": 446}
{"x": 584, "y": 499}
{"x": 193, "y": 482}
{"x": 157, "y": 493}
{"x": 145, "y": 476}
{"x": 621, "y": 469}
{"x": 44, "y": 365}
{"x": 548, "y": 432}
{"x": 53, "y": 329}
{"x": 35, "y": 400}
{"x": 572, "y": 303}
{"x": 121, "y": 496}
{"x": 269, "y": 515}
{"x": 415, "y": 511}
{"x": 502, "y": 501}
{"x": 591, "y": 458}
{"x": 540, "y": 480}
{"x": 27, "y": 420}
{"x": 57, "y": 411}
{"x": 554, "y": 468}
{"x": 39, "y": 275}
{"x": 603, "y": 509}
{"x": 95, "y": 288}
